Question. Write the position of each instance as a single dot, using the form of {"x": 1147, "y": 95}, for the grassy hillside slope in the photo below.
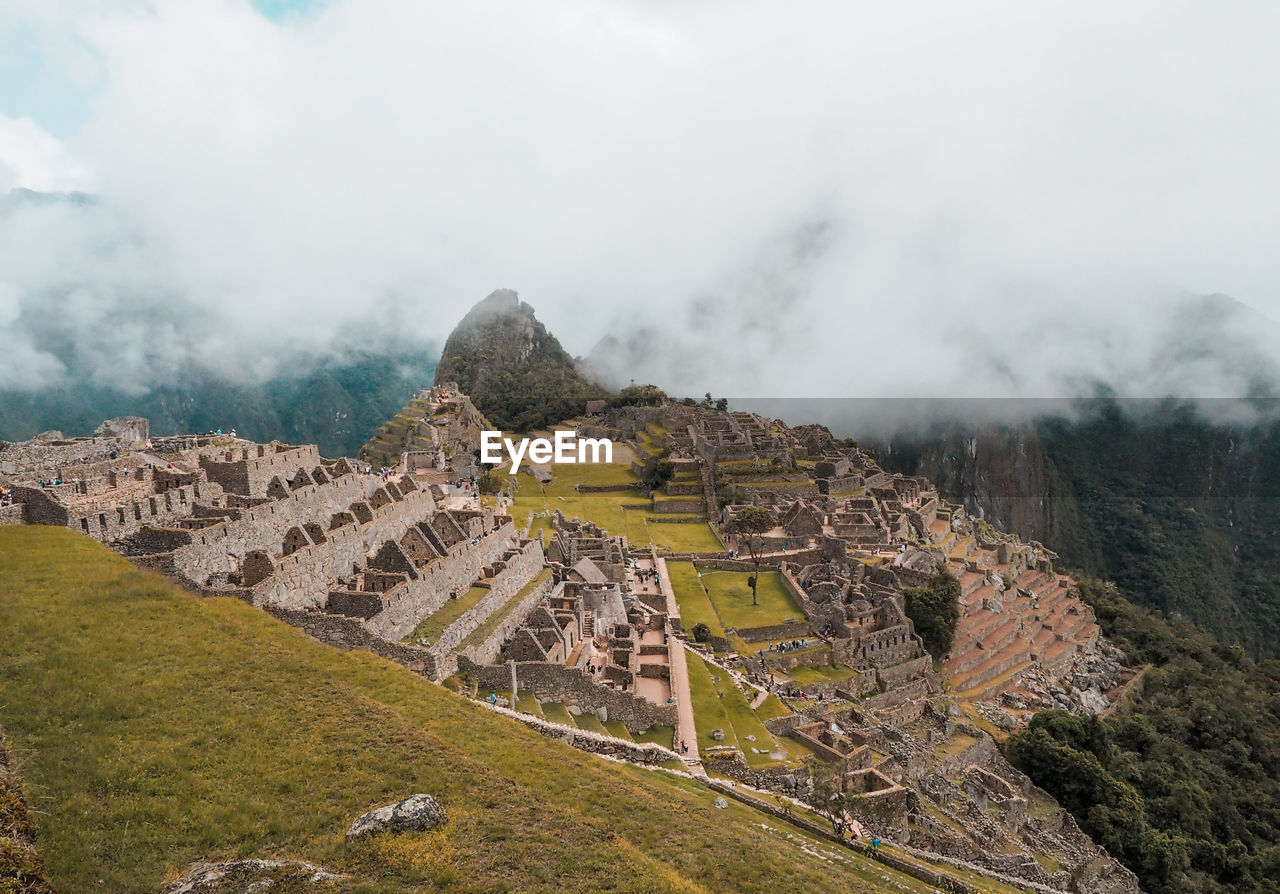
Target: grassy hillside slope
{"x": 158, "y": 729}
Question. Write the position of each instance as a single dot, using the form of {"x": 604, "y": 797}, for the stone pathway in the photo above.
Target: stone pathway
{"x": 685, "y": 729}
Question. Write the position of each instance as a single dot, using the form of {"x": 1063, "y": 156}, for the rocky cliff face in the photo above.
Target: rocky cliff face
{"x": 514, "y": 370}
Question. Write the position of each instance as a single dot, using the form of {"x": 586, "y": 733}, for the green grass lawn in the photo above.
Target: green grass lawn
{"x": 729, "y": 598}
{"x": 772, "y": 707}
{"x": 732, "y": 714}
{"x": 556, "y": 712}
{"x": 590, "y": 722}
{"x": 157, "y": 729}
{"x": 618, "y": 730}
{"x": 658, "y": 735}
{"x": 438, "y": 622}
{"x": 528, "y": 704}
{"x": 695, "y": 607}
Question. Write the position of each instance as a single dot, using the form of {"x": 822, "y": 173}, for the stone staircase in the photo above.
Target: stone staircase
{"x": 588, "y": 624}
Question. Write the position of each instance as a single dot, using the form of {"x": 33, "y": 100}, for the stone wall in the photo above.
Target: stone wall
{"x": 730, "y": 764}
{"x": 676, "y": 506}
{"x": 248, "y": 470}
{"x": 104, "y": 519}
{"x": 347, "y": 634}
{"x": 520, "y": 569}
{"x": 160, "y": 540}
{"x": 795, "y": 630}
{"x": 895, "y": 674}
{"x": 40, "y": 459}
{"x": 11, "y": 515}
{"x": 571, "y": 686}
{"x": 41, "y": 507}
{"x": 487, "y": 650}
{"x": 410, "y": 602}
{"x": 839, "y": 485}
{"x": 595, "y": 743}
{"x": 302, "y": 579}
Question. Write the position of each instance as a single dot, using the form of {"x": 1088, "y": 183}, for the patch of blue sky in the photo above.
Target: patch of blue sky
{"x": 281, "y": 10}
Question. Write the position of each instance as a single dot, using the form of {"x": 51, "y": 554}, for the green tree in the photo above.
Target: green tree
{"x": 935, "y": 611}
{"x": 657, "y": 470}
{"x": 748, "y": 524}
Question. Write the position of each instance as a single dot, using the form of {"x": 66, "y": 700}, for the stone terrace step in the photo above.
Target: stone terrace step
{"x": 1043, "y": 638}
{"x": 974, "y": 626}
{"x": 938, "y": 529}
{"x": 1053, "y": 600}
{"x": 970, "y": 581}
{"x": 1003, "y": 634}
{"x": 975, "y": 598}
{"x": 1029, "y": 579}
{"x": 1058, "y": 654}
{"x": 972, "y": 684}
{"x": 1088, "y": 635}
{"x": 1007, "y": 634}
{"x": 1053, "y": 618}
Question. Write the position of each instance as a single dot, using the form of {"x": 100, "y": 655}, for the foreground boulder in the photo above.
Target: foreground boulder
{"x": 254, "y": 875}
{"x": 418, "y": 813}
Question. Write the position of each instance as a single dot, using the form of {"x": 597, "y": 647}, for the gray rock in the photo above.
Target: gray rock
{"x": 720, "y": 803}
{"x": 1094, "y": 701}
{"x": 261, "y": 875}
{"x": 1013, "y": 700}
{"x": 717, "y": 735}
{"x": 418, "y": 813}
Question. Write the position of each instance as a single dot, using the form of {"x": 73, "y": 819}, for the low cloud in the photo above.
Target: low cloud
{"x": 756, "y": 199}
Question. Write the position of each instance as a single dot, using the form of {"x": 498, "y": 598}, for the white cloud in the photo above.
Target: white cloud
{"x": 990, "y": 197}
{"x": 33, "y": 159}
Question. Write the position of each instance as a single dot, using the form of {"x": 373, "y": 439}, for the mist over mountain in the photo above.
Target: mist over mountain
{"x": 332, "y": 397}
{"x": 823, "y": 200}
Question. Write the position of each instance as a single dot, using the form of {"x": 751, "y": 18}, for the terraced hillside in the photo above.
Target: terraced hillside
{"x": 157, "y": 729}
{"x": 433, "y": 420}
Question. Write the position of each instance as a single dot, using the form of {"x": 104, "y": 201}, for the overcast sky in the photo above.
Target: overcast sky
{"x": 761, "y": 198}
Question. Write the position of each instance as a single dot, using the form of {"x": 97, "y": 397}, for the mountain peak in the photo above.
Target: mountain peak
{"x": 514, "y": 370}
{"x": 498, "y": 303}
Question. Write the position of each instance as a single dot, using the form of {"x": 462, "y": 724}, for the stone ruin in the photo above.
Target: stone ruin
{"x": 355, "y": 558}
